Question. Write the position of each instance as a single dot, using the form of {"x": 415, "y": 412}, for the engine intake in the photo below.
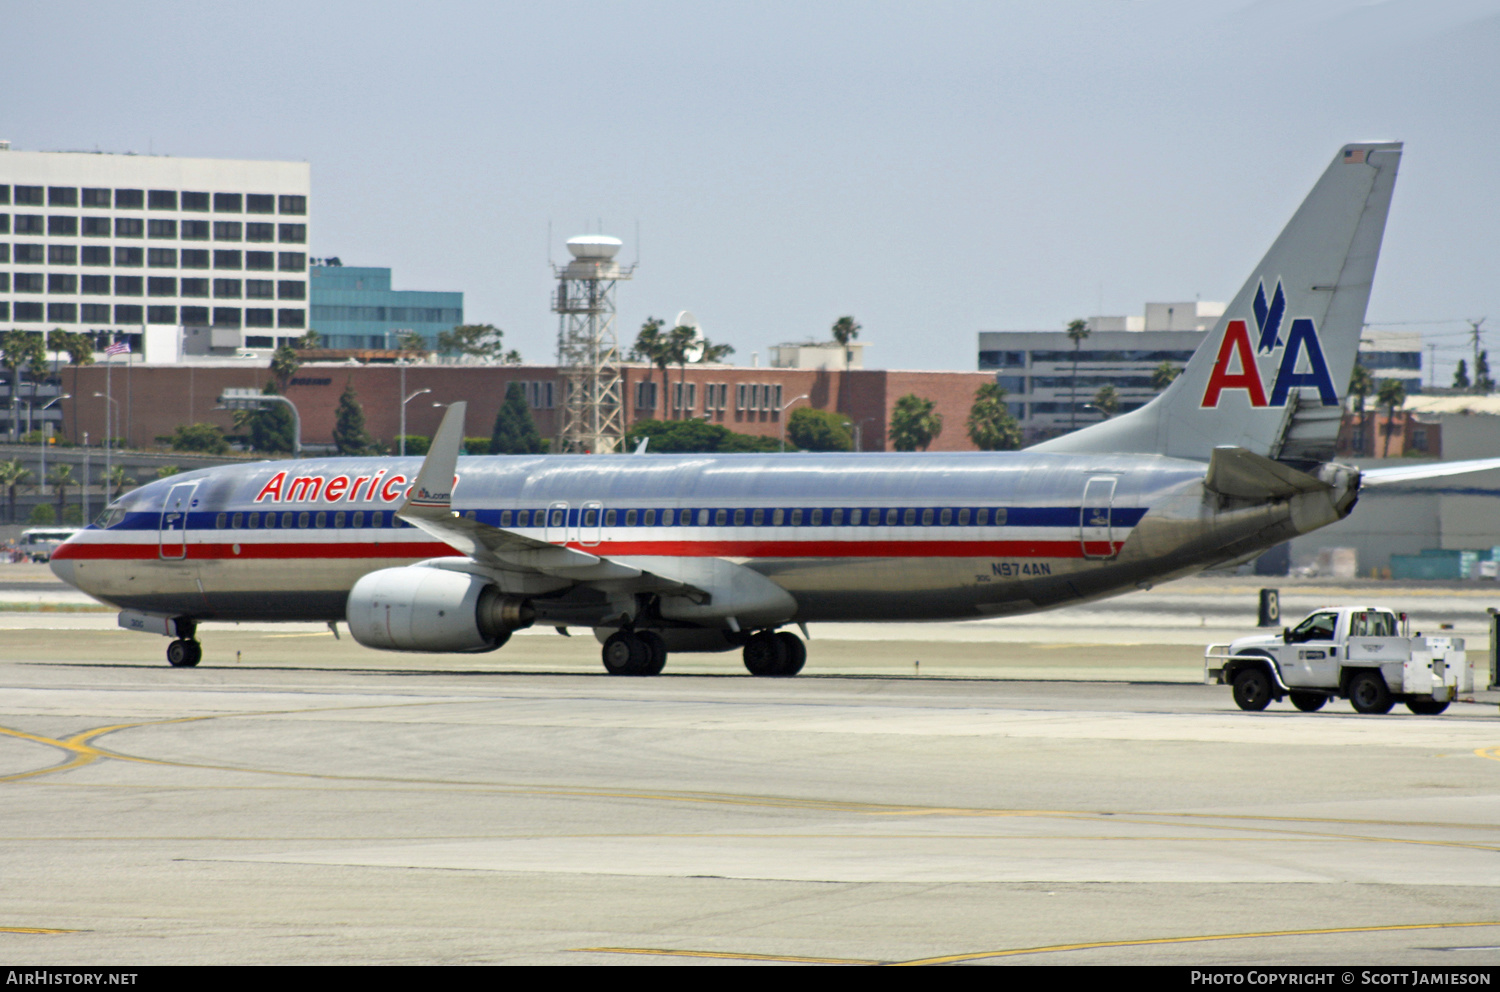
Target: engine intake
{"x": 420, "y": 608}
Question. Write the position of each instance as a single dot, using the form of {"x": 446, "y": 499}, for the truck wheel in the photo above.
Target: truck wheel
{"x": 1252, "y": 689}
{"x": 1368, "y": 694}
{"x": 1308, "y": 702}
{"x": 1426, "y": 706}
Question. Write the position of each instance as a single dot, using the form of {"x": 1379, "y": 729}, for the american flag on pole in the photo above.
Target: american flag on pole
{"x": 118, "y": 348}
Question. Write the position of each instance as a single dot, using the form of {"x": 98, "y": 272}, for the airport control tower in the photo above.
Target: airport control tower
{"x": 593, "y": 414}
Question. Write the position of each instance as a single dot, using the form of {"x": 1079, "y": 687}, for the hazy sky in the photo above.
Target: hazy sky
{"x": 933, "y": 169}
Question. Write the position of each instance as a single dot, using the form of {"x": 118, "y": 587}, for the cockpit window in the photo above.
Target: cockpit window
{"x": 113, "y": 515}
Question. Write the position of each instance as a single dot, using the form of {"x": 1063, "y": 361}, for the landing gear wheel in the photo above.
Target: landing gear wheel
{"x": 625, "y": 653}
{"x": 1426, "y": 706}
{"x": 796, "y": 653}
{"x": 1252, "y": 689}
{"x": 765, "y": 654}
{"x": 1308, "y": 702}
{"x": 183, "y": 653}
{"x": 657, "y": 649}
{"x": 1368, "y": 694}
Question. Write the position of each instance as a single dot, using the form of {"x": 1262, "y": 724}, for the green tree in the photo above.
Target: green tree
{"x": 1163, "y": 375}
{"x": 271, "y": 428}
{"x": 416, "y": 444}
{"x": 60, "y": 479}
{"x": 1361, "y": 385}
{"x": 515, "y": 431}
{"x": 309, "y": 341}
{"x": 845, "y": 330}
{"x": 411, "y": 344}
{"x": 207, "y": 438}
{"x": 991, "y": 427}
{"x": 12, "y": 474}
{"x": 1392, "y": 394}
{"x": 167, "y": 471}
{"x": 1483, "y": 383}
{"x": 692, "y": 437}
{"x": 284, "y": 364}
{"x": 478, "y": 341}
{"x": 1461, "y": 375}
{"x": 1078, "y": 331}
{"x": 1107, "y": 401}
{"x": 914, "y": 425}
{"x": 819, "y": 430}
{"x": 43, "y": 515}
{"x": 349, "y": 434}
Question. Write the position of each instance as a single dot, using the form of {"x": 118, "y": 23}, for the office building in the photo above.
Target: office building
{"x": 178, "y": 256}
{"x": 354, "y": 307}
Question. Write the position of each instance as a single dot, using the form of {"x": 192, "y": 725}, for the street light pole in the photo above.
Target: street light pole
{"x": 782, "y": 417}
{"x": 108, "y": 436}
{"x": 55, "y": 399}
{"x": 403, "y": 408}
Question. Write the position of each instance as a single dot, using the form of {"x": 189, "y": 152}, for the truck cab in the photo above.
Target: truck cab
{"x": 1357, "y": 652}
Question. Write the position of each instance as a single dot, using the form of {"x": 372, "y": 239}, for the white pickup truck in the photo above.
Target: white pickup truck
{"x": 1349, "y": 651}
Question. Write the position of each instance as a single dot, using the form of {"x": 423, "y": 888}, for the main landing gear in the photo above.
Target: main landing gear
{"x": 767, "y": 654}
{"x": 635, "y": 652}
{"x": 773, "y": 653}
{"x": 185, "y": 652}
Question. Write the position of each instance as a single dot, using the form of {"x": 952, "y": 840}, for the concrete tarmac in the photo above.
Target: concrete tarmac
{"x": 1055, "y": 798}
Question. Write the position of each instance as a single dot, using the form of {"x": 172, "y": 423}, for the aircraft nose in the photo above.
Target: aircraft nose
{"x": 63, "y": 569}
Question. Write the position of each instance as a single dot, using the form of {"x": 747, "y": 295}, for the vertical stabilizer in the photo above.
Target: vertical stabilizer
{"x": 1271, "y": 376}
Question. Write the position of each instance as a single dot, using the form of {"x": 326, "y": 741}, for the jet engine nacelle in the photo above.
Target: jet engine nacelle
{"x": 419, "y": 608}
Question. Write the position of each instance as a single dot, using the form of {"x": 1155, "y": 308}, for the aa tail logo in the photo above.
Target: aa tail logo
{"x": 1235, "y": 366}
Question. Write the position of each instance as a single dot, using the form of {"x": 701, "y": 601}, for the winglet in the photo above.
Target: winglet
{"x": 431, "y": 495}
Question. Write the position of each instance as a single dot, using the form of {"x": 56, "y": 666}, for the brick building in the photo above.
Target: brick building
{"x": 152, "y": 400}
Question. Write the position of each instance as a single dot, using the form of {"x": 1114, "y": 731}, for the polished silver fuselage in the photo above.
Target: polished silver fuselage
{"x": 868, "y": 537}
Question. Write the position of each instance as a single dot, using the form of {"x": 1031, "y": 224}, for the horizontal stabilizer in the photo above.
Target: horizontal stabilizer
{"x": 1242, "y": 474}
{"x": 1431, "y": 470}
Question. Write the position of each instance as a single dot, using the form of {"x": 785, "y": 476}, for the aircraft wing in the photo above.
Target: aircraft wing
{"x": 429, "y": 507}
{"x": 1431, "y": 470}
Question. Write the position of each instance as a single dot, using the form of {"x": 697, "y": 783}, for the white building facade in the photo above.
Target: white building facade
{"x": 177, "y": 256}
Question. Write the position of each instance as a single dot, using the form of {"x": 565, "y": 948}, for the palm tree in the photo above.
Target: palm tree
{"x": 12, "y": 474}
{"x": 1361, "y": 385}
{"x": 845, "y": 329}
{"x": 114, "y": 483}
{"x": 651, "y": 346}
{"x": 1163, "y": 375}
{"x": 1392, "y": 395}
{"x": 679, "y": 343}
{"x": 80, "y": 349}
{"x": 1107, "y": 401}
{"x": 1077, "y": 331}
{"x": 715, "y": 352}
{"x": 62, "y": 478}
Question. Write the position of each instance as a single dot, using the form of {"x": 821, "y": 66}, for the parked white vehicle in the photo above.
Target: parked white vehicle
{"x": 38, "y": 543}
{"x": 1354, "y": 652}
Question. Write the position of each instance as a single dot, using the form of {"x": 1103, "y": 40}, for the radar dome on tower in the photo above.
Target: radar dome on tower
{"x": 594, "y": 246}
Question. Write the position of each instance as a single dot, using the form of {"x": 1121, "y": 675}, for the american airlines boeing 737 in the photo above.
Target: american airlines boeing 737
{"x": 662, "y": 553}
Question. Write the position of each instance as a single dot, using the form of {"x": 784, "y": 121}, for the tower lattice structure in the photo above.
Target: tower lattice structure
{"x": 593, "y": 409}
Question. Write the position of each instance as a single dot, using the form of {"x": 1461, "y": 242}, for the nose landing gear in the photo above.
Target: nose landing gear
{"x": 185, "y": 652}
